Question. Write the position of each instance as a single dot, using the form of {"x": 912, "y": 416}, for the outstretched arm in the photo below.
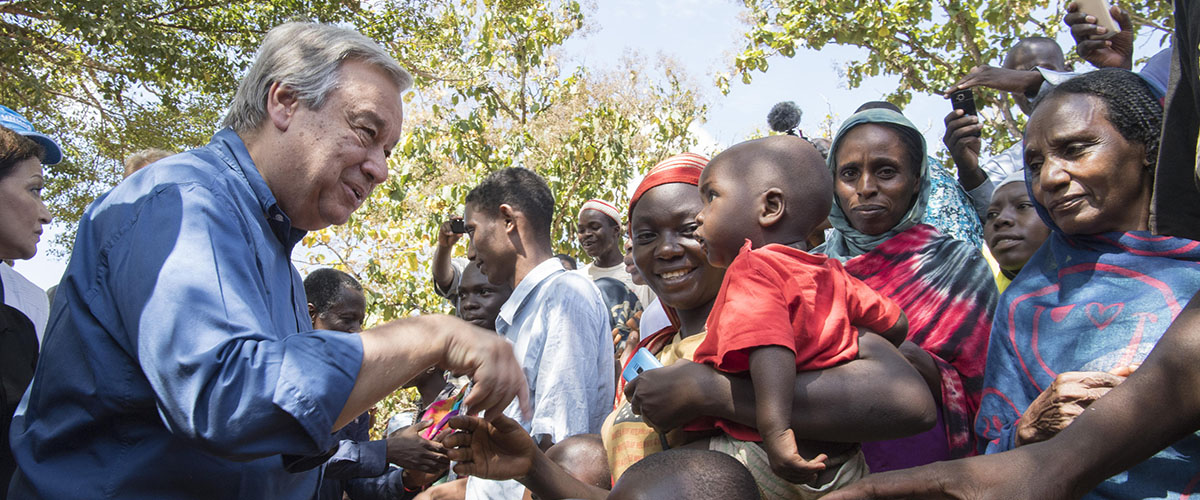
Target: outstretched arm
{"x": 1156, "y": 406}
{"x": 501, "y": 449}
{"x": 876, "y": 397}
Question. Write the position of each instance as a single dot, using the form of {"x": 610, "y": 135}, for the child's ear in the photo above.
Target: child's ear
{"x": 772, "y": 207}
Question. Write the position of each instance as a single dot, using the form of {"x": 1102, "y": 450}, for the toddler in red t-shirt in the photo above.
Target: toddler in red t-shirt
{"x": 780, "y": 309}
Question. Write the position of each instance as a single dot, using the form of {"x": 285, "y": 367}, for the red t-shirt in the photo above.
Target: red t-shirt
{"x": 778, "y": 295}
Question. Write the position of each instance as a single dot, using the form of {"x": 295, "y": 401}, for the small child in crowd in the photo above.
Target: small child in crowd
{"x": 1013, "y": 229}
{"x": 780, "y": 309}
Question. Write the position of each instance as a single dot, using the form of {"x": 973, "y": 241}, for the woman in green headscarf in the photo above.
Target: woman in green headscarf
{"x": 881, "y": 191}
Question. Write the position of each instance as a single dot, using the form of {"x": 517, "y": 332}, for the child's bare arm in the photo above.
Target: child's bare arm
{"x": 898, "y": 333}
{"x": 773, "y": 371}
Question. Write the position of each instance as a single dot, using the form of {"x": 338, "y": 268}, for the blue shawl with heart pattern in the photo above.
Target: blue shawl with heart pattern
{"x": 1090, "y": 303}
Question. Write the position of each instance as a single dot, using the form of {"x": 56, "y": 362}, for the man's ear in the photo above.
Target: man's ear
{"x": 282, "y": 104}
{"x": 312, "y": 312}
{"x": 772, "y": 206}
{"x": 509, "y": 215}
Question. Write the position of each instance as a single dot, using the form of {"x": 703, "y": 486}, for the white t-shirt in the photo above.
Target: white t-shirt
{"x": 644, "y": 294}
{"x": 654, "y": 318}
{"x": 24, "y": 296}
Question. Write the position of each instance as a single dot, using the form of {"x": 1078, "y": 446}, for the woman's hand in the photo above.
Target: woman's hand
{"x": 409, "y": 450}
{"x": 500, "y": 449}
{"x": 1065, "y": 399}
{"x": 671, "y": 396}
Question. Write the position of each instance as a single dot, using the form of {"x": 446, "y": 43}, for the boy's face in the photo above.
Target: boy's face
{"x": 1013, "y": 230}
{"x": 490, "y": 247}
{"x": 597, "y": 233}
{"x": 728, "y": 217}
{"x": 345, "y": 315}
{"x": 478, "y": 300}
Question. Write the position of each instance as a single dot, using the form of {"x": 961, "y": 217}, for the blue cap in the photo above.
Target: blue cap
{"x": 11, "y": 120}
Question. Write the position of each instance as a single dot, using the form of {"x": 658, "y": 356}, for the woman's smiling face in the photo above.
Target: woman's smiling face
{"x": 666, "y": 251}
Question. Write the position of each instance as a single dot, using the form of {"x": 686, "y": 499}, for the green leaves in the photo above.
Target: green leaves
{"x": 928, "y": 44}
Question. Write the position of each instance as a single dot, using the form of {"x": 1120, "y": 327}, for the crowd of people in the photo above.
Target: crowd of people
{"x": 795, "y": 318}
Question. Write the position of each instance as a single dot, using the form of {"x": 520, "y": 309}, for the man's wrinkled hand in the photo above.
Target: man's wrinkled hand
{"x": 488, "y": 359}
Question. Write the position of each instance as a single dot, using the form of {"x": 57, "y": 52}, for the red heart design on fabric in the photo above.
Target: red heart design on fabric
{"x": 1096, "y": 310}
{"x": 1059, "y": 313}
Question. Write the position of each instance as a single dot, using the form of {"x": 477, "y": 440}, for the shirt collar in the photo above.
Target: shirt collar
{"x": 525, "y": 288}
{"x": 232, "y": 150}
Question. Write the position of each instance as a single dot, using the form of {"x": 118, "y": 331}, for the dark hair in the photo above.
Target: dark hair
{"x": 324, "y": 287}
{"x": 16, "y": 148}
{"x": 723, "y": 477}
{"x": 568, "y": 258}
{"x": 1130, "y": 105}
{"x": 520, "y": 188}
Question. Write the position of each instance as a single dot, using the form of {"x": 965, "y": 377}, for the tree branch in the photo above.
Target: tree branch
{"x": 184, "y": 8}
{"x": 1147, "y": 22}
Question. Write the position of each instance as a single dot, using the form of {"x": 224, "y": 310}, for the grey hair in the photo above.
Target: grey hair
{"x": 305, "y": 57}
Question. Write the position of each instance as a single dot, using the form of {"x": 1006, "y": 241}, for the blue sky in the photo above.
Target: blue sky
{"x": 703, "y": 36}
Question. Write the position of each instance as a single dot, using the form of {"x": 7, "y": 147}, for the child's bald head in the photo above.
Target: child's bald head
{"x": 583, "y": 456}
{"x": 785, "y": 163}
{"x": 686, "y": 473}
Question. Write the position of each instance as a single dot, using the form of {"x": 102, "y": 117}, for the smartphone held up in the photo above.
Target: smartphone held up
{"x": 1102, "y": 11}
{"x": 965, "y": 100}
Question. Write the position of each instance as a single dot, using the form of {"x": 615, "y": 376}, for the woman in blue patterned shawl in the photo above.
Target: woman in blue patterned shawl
{"x": 1096, "y": 297}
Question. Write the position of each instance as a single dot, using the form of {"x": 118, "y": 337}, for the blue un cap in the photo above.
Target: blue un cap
{"x": 11, "y": 120}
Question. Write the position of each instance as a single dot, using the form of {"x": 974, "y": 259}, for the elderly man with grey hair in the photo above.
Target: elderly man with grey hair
{"x": 181, "y": 361}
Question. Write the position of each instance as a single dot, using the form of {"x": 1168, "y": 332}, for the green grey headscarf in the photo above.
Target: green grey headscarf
{"x": 846, "y": 242}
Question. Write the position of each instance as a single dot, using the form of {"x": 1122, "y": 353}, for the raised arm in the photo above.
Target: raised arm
{"x": 443, "y": 270}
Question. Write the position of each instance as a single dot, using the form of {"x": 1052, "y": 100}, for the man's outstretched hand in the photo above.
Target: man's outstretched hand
{"x": 488, "y": 359}
{"x": 500, "y": 449}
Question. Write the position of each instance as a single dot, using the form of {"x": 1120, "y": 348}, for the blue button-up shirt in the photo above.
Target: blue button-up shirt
{"x": 359, "y": 467}
{"x": 174, "y": 364}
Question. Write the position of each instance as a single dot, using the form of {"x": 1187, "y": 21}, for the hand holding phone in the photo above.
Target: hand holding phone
{"x": 1102, "y": 11}
{"x": 641, "y": 361}
{"x": 965, "y": 100}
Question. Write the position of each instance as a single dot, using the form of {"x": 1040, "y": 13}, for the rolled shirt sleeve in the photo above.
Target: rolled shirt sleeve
{"x": 229, "y": 370}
